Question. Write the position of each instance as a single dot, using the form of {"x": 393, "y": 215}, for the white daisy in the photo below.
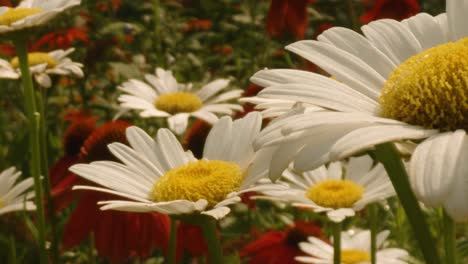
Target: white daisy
{"x": 31, "y": 13}
{"x": 12, "y": 197}
{"x": 400, "y": 81}
{"x": 355, "y": 249}
{"x": 163, "y": 97}
{"x": 157, "y": 175}
{"x": 42, "y": 65}
{"x": 339, "y": 194}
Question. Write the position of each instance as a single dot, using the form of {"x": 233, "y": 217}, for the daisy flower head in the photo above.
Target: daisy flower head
{"x": 157, "y": 175}
{"x": 355, "y": 249}
{"x": 403, "y": 80}
{"x": 339, "y": 189}
{"x": 13, "y": 197}
{"x": 31, "y": 13}
{"x": 162, "y": 96}
{"x": 43, "y": 64}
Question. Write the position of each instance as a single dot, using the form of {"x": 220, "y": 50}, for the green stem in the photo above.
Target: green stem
{"x": 337, "y": 243}
{"x": 34, "y": 142}
{"x": 352, "y": 15}
{"x": 388, "y": 155}
{"x": 46, "y": 181}
{"x": 12, "y": 258}
{"x": 91, "y": 258}
{"x": 449, "y": 239}
{"x": 173, "y": 241}
{"x": 208, "y": 226}
{"x": 374, "y": 218}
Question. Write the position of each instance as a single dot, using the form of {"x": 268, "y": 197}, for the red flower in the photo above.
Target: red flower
{"x": 288, "y": 15}
{"x": 199, "y": 24}
{"x": 118, "y": 236}
{"x": 62, "y": 39}
{"x": 195, "y": 138}
{"x": 395, "y": 9}
{"x": 6, "y": 3}
{"x": 190, "y": 240}
{"x": 252, "y": 90}
{"x": 280, "y": 247}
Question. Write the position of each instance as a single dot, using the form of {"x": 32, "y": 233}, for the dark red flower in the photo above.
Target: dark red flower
{"x": 198, "y": 24}
{"x": 7, "y": 50}
{"x": 288, "y": 16}
{"x": 252, "y": 90}
{"x": 280, "y": 247}
{"x": 395, "y": 9}
{"x": 321, "y": 28}
{"x": 6, "y": 3}
{"x": 118, "y": 236}
{"x": 195, "y": 138}
{"x": 190, "y": 241}
{"x": 62, "y": 39}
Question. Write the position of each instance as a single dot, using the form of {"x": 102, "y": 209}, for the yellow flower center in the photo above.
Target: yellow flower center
{"x": 15, "y": 14}
{"x": 351, "y": 256}
{"x": 211, "y": 180}
{"x": 335, "y": 193}
{"x": 2, "y": 203}
{"x": 430, "y": 89}
{"x": 36, "y": 58}
{"x": 179, "y": 102}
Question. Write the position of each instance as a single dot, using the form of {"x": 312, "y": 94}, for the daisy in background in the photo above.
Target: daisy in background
{"x": 13, "y": 197}
{"x": 355, "y": 249}
{"x": 161, "y": 96}
{"x": 400, "y": 81}
{"x": 339, "y": 189}
{"x": 31, "y": 13}
{"x": 157, "y": 175}
{"x": 41, "y": 65}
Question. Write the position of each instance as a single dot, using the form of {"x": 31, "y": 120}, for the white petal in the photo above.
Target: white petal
{"x": 354, "y": 43}
{"x": 178, "y": 122}
{"x": 456, "y": 16}
{"x": 436, "y": 164}
{"x": 212, "y": 88}
{"x": 367, "y": 137}
{"x": 340, "y": 214}
{"x": 392, "y": 38}
{"x": 217, "y": 213}
{"x": 342, "y": 65}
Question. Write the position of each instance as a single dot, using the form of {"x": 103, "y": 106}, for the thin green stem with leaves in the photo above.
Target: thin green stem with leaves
{"x": 34, "y": 141}
{"x": 388, "y": 155}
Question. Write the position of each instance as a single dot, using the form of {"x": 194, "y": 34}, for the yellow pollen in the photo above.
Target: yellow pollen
{"x": 36, "y": 58}
{"x": 335, "y": 193}
{"x": 430, "y": 89}
{"x": 179, "y": 102}
{"x": 211, "y": 180}
{"x": 15, "y": 14}
{"x": 351, "y": 256}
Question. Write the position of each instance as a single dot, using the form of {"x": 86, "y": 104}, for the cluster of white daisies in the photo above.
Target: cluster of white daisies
{"x": 402, "y": 82}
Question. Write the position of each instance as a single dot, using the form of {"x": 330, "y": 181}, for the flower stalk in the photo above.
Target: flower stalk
{"x": 374, "y": 217}
{"x": 337, "y": 243}
{"x": 34, "y": 140}
{"x": 388, "y": 155}
{"x": 449, "y": 239}
{"x": 208, "y": 226}
{"x": 173, "y": 241}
